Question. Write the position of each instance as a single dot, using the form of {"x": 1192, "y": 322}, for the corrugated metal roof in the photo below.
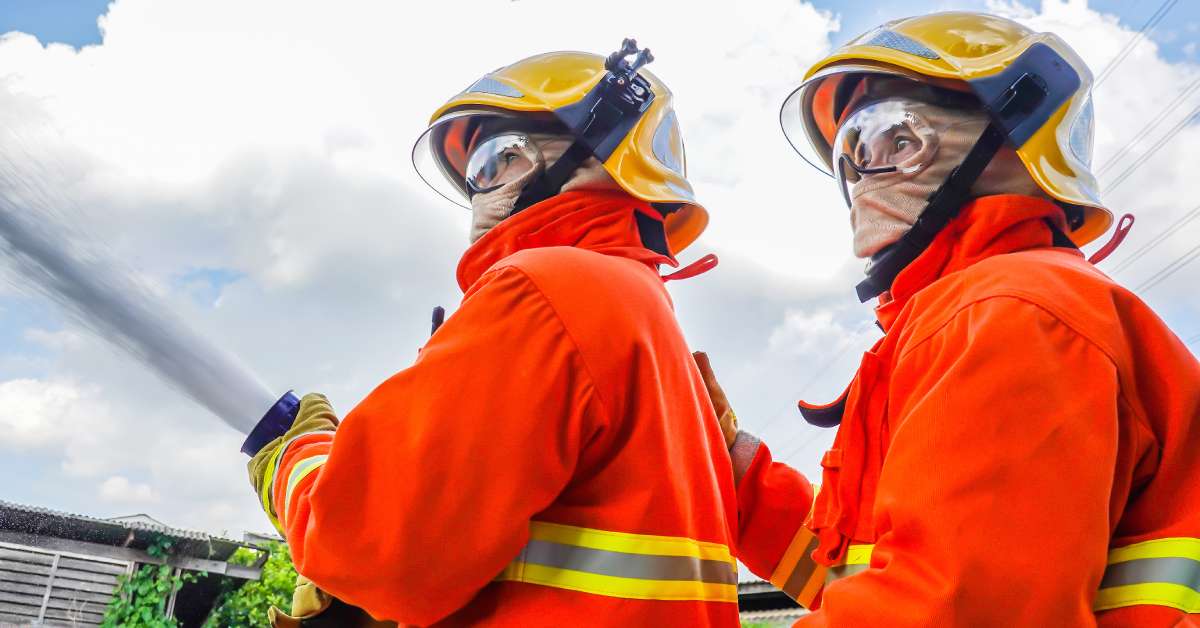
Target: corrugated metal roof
{"x": 782, "y": 615}
{"x": 135, "y": 531}
{"x": 756, "y": 586}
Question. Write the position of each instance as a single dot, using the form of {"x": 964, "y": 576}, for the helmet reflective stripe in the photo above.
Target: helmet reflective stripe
{"x": 489, "y": 85}
{"x": 896, "y": 41}
{"x": 668, "y": 145}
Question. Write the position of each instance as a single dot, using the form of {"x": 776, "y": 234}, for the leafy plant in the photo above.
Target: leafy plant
{"x": 142, "y": 596}
{"x": 246, "y": 604}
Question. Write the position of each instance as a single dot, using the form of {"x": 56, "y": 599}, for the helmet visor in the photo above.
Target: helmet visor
{"x": 812, "y": 113}
{"x": 443, "y": 155}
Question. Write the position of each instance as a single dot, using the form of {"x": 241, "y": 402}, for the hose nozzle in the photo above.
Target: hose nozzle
{"x": 275, "y": 423}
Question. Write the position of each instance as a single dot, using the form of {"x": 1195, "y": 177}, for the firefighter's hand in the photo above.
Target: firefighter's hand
{"x": 725, "y": 415}
{"x": 314, "y": 608}
{"x": 315, "y": 414}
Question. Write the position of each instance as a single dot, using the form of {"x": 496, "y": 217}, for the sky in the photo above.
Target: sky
{"x": 250, "y": 163}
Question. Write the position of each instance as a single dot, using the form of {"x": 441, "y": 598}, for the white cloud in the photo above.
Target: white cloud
{"x": 118, "y": 489}
{"x": 37, "y": 413}
{"x": 272, "y": 138}
{"x": 810, "y": 333}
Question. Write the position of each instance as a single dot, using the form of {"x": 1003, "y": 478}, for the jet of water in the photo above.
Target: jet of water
{"x": 82, "y": 276}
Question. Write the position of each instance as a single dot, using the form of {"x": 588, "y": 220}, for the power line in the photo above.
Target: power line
{"x": 1170, "y": 269}
{"x": 814, "y": 377}
{"x": 1156, "y": 240}
{"x": 1149, "y": 26}
{"x": 1163, "y": 141}
{"x": 1193, "y": 340}
{"x": 804, "y": 442}
{"x": 1149, "y": 128}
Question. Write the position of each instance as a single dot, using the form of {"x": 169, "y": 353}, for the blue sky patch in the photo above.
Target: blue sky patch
{"x": 205, "y": 284}
{"x": 54, "y": 21}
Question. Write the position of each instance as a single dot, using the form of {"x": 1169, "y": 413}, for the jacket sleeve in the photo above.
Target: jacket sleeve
{"x": 994, "y": 495}
{"x": 430, "y": 483}
{"x": 774, "y": 501}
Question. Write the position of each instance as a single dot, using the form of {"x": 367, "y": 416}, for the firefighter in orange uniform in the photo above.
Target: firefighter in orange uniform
{"x": 551, "y": 458}
{"x": 1020, "y": 448}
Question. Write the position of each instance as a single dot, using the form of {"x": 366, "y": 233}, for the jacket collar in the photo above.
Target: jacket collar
{"x": 601, "y": 221}
{"x": 987, "y": 226}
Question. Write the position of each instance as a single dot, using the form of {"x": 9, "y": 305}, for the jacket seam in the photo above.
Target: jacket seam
{"x": 1018, "y": 296}
{"x": 591, "y": 377}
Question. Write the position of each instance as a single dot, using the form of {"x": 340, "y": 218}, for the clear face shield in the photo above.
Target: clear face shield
{"x": 471, "y": 152}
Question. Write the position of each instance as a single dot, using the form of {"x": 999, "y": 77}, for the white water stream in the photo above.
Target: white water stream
{"x": 49, "y": 255}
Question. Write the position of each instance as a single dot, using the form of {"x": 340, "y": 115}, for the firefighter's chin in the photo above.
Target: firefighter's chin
{"x": 880, "y": 218}
{"x": 489, "y": 209}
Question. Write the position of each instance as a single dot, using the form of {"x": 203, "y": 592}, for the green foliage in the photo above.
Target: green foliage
{"x": 247, "y": 604}
{"x": 142, "y": 596}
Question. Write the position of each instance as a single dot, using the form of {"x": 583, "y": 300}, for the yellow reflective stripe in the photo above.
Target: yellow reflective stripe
{"x": 268, "y": 484}
{"x": 266, "y": 497}
{"x": 1160, "y": 572}
{"x": 858, "y": 555}
{"x": 628, "y": 543}
{"x": 856, "y": 561}
{"x": 300, "y": 470}
{"x": 1156, "y": 593}
{"x": 797, "y": 574}
{"x": 1174, "y": 547}
{"x": 616, "y": 586}
{"x": 624, "y": 565}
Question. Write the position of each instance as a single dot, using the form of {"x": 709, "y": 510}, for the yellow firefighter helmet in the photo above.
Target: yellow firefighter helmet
{"x": 641, "y": 146}
{"x": 986, "y": 56}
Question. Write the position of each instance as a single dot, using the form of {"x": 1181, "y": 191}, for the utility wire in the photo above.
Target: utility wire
{"x": 1193, "y": 340}
{"x": 1156, "y": 240}
{"x": 805, "y": 442}
{"x": 1148, "y": 27}
{"x": 1163, "y": 141}
{"x": 1170, "y": 269}
{"x": 1149, "y": 128}
{"x": 815, "y": 376}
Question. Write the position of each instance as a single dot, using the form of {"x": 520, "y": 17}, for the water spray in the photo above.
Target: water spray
{"x": 107, "y": 297}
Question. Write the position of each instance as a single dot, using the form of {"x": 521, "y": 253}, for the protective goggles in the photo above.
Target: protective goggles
{"x": 510, "y": 155}
{"x": 499, "y": 160}
{"x": 887, "y": 140}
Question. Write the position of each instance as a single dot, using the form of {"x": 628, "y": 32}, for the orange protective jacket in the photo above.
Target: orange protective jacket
{"x": 551, "y": 458}
{"x": 1022, "y": 448}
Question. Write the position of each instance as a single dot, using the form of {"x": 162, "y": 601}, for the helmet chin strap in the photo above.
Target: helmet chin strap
{"x": 944, "y": 204}
{"x": 551, "y": 181}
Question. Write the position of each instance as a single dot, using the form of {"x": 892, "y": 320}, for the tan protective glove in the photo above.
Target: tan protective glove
{"x": 314, "y": 608}
{"x": 315, "y": 414}
{"x": 725, "y": 415}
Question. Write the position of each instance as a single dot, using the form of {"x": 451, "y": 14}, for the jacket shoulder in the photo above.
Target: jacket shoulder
{"x": 581, "y": 275}
{"x": 1057, "y": 281}
{"x": 1043, "y": 276}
